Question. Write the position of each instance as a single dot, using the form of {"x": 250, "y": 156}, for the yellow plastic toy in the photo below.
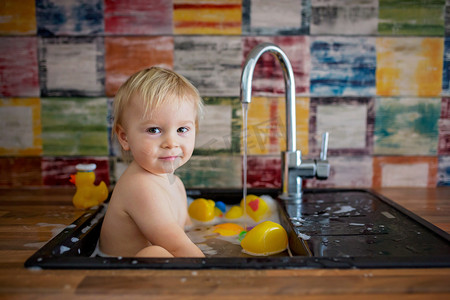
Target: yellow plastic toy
{"x": 228, "y": 229}
{"x": 218, "y": 212}
{"x": 256, "y": 207}
{"x": 266, "y": 238}
{"x": 87, "y": 194}
{"x": 202, "y": 209}
{"x": 234, "y": 212}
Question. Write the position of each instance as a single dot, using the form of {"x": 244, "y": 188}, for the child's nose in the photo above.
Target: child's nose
{"x": 170, "y": 141}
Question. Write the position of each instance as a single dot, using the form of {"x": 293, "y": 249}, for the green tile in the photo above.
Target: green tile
{"x": 74, "y": 126}
{"x": 411, "y": 17}
{"x": 407, "y": 126}
{"x": 216, "y": 171}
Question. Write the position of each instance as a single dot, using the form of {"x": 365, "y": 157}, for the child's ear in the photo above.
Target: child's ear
{"x": 122, "y": 137}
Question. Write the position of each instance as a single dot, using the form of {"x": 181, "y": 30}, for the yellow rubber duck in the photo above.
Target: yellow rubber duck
{"x": 235, "y": 212}
{"x": 266, "y": 238}
{"x": 87, "y": 194}
{"x": 202, "y": 209}
{"x": 256, "y": 207}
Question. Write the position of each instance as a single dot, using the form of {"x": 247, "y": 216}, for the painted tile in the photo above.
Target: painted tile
{"x": 444, "y": 171}
{"x": 447, "y": 18}
{"x": 140, "y": 17}
{"x": 69, "y": 17}
{"x": 207, "y": 17}
{"x": 71, "y": 66}
{"x": 444, "y": 136}
{"x": 446, "y": 65}
{"x": 57, "y": 170}
{"x": 444, "y": 127}
{"x": 338, "y": 17}
{"x": 406, "y": 126}
{"x": 74, "y": 126}
{"x": 346, "y": 171}
{"x": 211, "y": 63}
{"x": 18, "y": 67}
{"x": 17, "y": 17}
{"x": 20, "y": 171}
{"x": 405, "y": 171}
{"x": 266, "y": 133}
{"x": 349, "y": 122}
{"x": 220, "y": 128}
{"x": 343, "y": 66}
{"x": 220, "y": 171}
{"x": 287, "y": 17}
{"x": 445, "y": 108}
{"x": 20, "y": 127}
{"x": 414, "y": 17}
{"x": 114, "y": 147}
{"x": 268, "y": 75}
{"x": 264, "y": 171}
{"x": 409, "y": 66}
{"x": 126, "y": 55}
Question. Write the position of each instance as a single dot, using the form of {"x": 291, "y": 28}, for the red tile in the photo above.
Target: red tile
{"x": 139, "y": 17}
{"x": 264, "y": 171}
{"x": 57, "y": 170}
{"x": 19, "y": 67}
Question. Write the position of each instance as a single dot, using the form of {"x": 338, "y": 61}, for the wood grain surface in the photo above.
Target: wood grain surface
{"x": 30, "y": 217}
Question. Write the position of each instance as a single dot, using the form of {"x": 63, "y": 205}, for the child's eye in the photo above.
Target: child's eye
{"x": 183, "y": 130}
{"x": 153, "y": 130}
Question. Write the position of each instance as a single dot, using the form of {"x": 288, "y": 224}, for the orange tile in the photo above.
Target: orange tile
{"x": 405, "y": 171}
{"x": 127, "y": 55}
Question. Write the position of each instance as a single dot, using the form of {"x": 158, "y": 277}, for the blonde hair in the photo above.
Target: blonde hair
{"x": 155, "y": 86}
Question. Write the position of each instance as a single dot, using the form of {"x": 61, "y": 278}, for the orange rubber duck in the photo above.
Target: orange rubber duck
{"x": 87, "y": 194}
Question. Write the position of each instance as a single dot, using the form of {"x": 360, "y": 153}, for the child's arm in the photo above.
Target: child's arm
{"x": 175, "y": 241}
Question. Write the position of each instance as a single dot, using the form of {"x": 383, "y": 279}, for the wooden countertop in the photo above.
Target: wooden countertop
{"x": 30, "y": 217}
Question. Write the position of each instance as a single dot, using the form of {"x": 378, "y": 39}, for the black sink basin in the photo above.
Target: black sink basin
{"x": 330, "y": 228}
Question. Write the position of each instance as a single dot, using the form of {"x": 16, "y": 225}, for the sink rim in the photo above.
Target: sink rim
{"x": 47, "y": 257}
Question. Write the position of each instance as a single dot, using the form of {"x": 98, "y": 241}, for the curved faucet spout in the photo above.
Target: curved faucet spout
{"x": 288, "y": 74}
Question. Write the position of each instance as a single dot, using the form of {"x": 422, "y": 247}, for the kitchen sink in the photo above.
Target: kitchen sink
{"x": 328, "y": 228}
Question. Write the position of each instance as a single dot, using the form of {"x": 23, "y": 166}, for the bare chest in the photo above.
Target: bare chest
{"x": 176, "y": 202}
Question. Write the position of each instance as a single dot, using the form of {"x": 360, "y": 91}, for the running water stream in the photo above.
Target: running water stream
{"x": 244, "y": 157}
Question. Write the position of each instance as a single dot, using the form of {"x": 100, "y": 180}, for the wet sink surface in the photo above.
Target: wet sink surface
{"x": 360, "y": 224}
{"x": 328, "y": 229}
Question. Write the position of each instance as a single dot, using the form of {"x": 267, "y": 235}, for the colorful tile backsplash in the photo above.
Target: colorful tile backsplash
{"x": 374, "y": 73}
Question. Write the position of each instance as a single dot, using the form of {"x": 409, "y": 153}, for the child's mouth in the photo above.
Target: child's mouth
{"x": 169, "y": 158}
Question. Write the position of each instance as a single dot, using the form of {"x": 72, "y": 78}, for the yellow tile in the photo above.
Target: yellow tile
{"x": 267, "y": 125}
{"x": 18, "y": 17}
{"x": 409, "y": 66}
{"x": 14, "y": 141}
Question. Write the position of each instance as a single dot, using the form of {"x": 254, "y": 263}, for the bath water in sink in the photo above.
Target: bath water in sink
{"x": 221, "y": 236}
{"x": 219, "y": 229}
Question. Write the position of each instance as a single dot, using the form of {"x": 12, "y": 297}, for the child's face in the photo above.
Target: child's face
{"x": 162, "y": 143}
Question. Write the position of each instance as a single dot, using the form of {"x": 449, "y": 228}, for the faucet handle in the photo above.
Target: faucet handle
{"x": 324, "y": 146}
{"x": 323, "y": 166}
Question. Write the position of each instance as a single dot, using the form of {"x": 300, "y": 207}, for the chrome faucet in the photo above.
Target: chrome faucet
{"x": 293, "y": 168}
